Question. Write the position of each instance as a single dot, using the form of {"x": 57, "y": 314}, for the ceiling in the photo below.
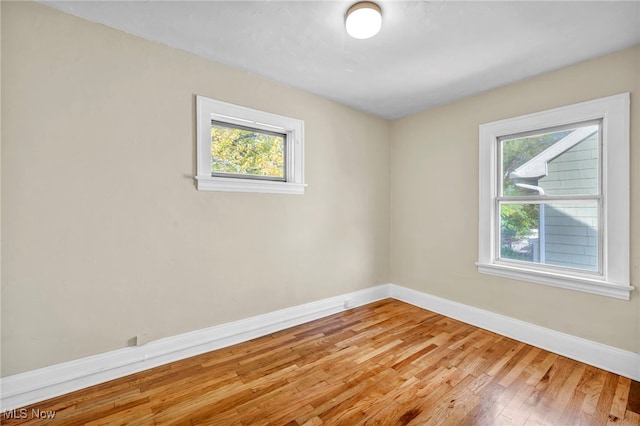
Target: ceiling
{"x": 427, "y": 54}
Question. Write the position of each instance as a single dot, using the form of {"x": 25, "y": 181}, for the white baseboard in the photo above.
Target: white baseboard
{"x": 30, "y": 387}
{"x": 608, "y": 358}
{"x": 33, "y": 386}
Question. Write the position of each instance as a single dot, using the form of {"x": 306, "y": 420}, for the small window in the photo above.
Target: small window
{"x": 246, "y": 150}
{"x": 243, "y": 152}
{"x": 554, "y": 201}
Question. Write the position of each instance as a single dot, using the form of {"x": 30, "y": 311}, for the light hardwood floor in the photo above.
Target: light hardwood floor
{"x": 387, "y": 363}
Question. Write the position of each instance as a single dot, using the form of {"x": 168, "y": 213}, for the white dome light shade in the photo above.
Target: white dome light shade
{"x": 364, "y": 20}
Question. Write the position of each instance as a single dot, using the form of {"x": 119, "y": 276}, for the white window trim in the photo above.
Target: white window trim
{"x": 207, "y": 108}
{"x": 614, "y": 281}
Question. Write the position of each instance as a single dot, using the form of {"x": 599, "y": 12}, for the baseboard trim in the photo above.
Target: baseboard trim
{"x": 33, "y": 386}
{"x": 608, "y": 358}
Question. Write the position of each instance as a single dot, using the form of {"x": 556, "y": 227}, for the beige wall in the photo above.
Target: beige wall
{"x": 104, "y": 234}
{"x": 0, "y": 186}
{"x": 434, "y": 213}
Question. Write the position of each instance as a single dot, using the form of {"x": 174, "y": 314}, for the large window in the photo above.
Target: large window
{"x": 554, "y": 203}
{"x": 246, "y": 150}
{"x": 549, "y": 197}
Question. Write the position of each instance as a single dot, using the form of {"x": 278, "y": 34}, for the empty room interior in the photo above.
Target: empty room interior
{"x": 431, "y": 220}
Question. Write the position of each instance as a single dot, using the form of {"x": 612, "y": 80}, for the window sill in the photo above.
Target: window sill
{"x": 585, "y": 285}
{"x": 248, "y": 185}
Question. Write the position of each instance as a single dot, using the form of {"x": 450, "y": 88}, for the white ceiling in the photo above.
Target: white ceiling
{"x": 427, "y": 54}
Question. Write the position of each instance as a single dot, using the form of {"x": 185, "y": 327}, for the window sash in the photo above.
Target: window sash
{"x": 599, "y": 272}
{"x": 500, "y": 199}
{"x": 285, "y": 156}
{"x": 541, "y": 131}
{"x": 548, "y": 198}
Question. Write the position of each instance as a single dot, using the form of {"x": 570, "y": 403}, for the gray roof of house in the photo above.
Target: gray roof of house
{"x": 537, "y": 166}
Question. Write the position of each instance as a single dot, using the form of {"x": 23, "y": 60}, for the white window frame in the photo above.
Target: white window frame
{"x": 208, "y": 109}
{"x": 613, "y": 281}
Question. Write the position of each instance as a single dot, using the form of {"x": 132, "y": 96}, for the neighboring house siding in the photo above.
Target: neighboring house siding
{"x": 571, "y": 231}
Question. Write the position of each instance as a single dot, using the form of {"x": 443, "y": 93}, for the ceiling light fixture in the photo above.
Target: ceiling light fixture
{"x": 364, "y": 20}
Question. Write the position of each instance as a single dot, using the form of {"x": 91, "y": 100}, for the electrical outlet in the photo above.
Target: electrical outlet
{"x": 142, "y": 339}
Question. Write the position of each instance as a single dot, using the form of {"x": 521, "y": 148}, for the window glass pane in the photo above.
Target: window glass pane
{"x": 561, "y": 234}
{"x": 247, "y": 152}
{"x": 557, "y": 162}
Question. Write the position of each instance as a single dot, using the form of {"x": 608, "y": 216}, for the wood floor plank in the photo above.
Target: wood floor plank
{"x": 605, "y": 401}
{"x": 631, "y": 418}
{"x": 517, "y": 369}
{"x": 633, "y": 400}
{"x": 592, "y": 386}
{"x": 564, "y": 394}
{"x": 572, "y": 410}
{"x": 386, "y": 363}
{"x": 489, "y": 406}
{"x": 619, "y": 405}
